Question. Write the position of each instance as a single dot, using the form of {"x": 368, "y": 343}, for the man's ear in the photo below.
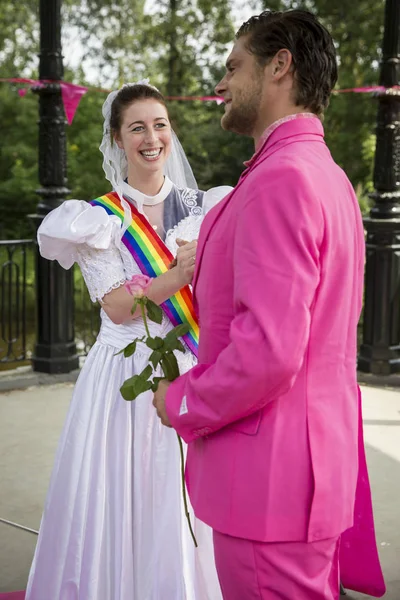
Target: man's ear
{"x": 281, "y": 64}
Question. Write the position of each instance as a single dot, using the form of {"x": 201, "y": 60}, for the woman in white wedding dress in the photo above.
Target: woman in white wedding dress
{"x": 113, "y": 526}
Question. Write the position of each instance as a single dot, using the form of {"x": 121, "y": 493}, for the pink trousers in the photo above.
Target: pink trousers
{"x": 250, "y": 570}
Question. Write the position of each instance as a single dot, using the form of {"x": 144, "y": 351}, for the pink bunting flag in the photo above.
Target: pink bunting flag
{"x": 71, "y": 95}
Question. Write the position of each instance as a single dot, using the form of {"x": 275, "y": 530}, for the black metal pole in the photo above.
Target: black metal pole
{"x": 380, "y": 350}
{"x": 55, "y": 350}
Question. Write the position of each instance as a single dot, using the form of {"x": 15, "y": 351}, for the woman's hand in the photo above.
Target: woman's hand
{"x": 118, "y": 303}
{"x": 186, "y": 260}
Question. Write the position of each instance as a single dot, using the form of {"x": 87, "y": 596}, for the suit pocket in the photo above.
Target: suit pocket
{"x": 249, "y": 425}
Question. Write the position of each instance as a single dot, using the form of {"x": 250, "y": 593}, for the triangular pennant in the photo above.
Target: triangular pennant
{"x": 71, "y": 95}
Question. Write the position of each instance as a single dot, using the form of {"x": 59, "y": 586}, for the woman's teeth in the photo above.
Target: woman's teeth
{"x": 151, "y": 154}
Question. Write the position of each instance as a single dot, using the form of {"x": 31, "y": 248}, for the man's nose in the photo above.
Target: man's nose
{"x": 220, "y": 88}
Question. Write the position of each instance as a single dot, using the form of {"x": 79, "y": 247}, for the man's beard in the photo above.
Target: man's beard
{"x": 242, "y": 116}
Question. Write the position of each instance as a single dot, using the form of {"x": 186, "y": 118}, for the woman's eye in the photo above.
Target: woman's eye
{"x": 137, "y": 129}
{"x": 161, "y": 125}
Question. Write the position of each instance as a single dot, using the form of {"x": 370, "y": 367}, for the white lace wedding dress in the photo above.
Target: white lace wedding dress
{"x": 113, "y": 526}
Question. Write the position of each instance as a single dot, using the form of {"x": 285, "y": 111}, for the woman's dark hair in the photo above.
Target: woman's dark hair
{"x": 310, "y": 44}
{"x": 125, "y": 97}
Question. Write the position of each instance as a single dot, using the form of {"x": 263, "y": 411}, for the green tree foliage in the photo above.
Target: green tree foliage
{"x": 19, "y": 37}
{"x": 18, "y": 162}
{"x": 181, "y": 45}
{"x": 113, "y": 36}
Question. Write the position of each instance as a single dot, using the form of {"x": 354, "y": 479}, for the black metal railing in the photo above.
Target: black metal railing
{"x": 16, "y": 299}
{"x": 18, "y": 306}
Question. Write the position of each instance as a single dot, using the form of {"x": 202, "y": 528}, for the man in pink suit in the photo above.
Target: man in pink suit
{"x": 271, "y": 411}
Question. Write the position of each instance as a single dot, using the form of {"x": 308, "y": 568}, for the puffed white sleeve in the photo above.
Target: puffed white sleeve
{"x": 214, "y": 195}
{"x": 77, "y": 232}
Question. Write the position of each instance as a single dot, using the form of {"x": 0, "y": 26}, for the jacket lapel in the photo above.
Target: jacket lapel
{"x": 208, "y": 224}
{"x": 205, "y": 231}
{"x": 284, "y": 134}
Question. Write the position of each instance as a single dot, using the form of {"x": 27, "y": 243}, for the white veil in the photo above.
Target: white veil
{"x": 115, "y": 164}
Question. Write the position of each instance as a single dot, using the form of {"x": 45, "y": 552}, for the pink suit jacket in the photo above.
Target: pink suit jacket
{"x": 271, "y": 411}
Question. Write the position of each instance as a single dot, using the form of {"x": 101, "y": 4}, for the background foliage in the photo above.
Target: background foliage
{"x": 181, "y": 45}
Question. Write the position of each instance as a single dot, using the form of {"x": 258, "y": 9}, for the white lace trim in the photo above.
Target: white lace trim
{"x": 190, "y": 198}
{"x": 188, "y": 229}
{"x": 115, "y": 286}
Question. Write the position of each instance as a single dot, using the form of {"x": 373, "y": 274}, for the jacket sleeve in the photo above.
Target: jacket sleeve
{"x": 277, "y": 269}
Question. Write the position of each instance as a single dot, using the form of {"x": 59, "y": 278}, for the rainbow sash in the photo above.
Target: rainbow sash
{"x": 153, "y": 258}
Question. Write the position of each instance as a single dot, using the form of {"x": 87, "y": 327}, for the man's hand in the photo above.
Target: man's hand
{"x": 159, "y": 402}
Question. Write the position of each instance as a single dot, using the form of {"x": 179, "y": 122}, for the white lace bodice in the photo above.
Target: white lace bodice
{"x": 85, "y": 234}
{"x": 106, "y": 269}
{"x": 188, "y": 229}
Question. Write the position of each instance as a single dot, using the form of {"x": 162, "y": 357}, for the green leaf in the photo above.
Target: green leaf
{"x": 166, "y": 369}
{"x": 173, "y": 363}
{"x": 134, "y": 386}
{"x": 146, "y": 373}
{"x": 134, "y": 306}
{"x": 173, "y": 344}
{"x": 155, "y": 358}
{"x": 131, "y": 380}
{"x": 155, "y": 343}
{"x": 154, "y": 312}
{"x": 178, "y": 331}
{"x": 180, "y": 346}
{"x": 171, "y": 341}
{"x": 170, "y": 344}
{"x": 130, "y": 349}
{"x": 170, "y": 367}
{"x": 127, "y": 392}
{"x": 124, "y": 350}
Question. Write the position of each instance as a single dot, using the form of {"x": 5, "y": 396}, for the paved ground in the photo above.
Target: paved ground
{"x": 30, "y": 423}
